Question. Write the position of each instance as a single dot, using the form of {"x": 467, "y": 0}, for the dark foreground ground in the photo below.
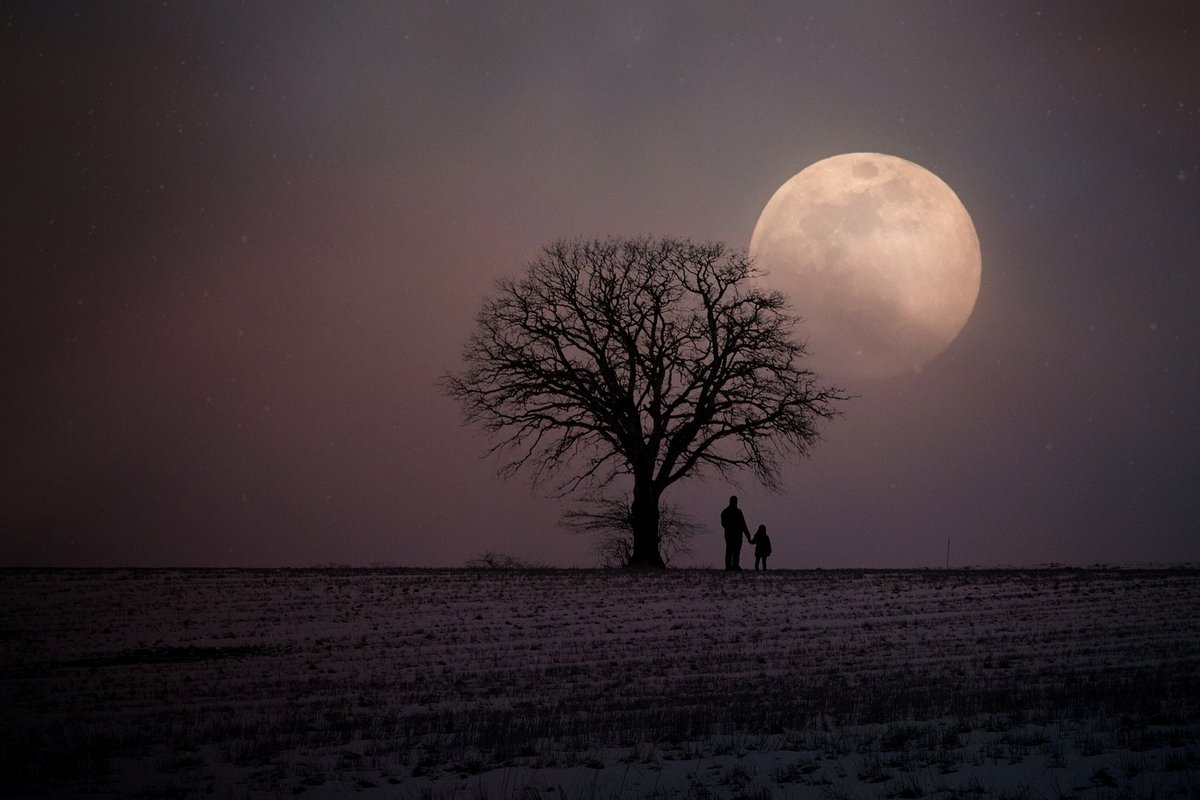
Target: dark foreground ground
{"x": 461, "y": 683}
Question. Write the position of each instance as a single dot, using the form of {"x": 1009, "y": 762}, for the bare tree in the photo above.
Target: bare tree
{"x": 654, "y": 360}
{"x": 611, "y": 521}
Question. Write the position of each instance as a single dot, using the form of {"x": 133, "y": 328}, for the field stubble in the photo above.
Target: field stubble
{"x": 563, "y": 683}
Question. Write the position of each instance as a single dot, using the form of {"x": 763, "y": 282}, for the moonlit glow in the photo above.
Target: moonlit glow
{"x": 878, "y": 257}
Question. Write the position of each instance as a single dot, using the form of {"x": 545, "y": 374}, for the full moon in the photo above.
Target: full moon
{"x": 878, "y": 258}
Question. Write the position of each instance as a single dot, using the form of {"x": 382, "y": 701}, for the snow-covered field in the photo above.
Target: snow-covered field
{"x": 592, "y": 684}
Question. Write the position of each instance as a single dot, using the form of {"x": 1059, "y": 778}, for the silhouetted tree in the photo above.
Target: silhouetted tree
{"x": 652, "y": 359}
{"x": 611, "y": 521}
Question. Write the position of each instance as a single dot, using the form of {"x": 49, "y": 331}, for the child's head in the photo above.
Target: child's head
{"x": 761, "y": 529}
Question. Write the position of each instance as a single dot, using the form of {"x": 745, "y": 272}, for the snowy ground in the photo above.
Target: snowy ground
{"x": 588, "y": 684}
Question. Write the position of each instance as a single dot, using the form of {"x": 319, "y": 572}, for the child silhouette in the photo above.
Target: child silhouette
{"x": 762, "y": 547}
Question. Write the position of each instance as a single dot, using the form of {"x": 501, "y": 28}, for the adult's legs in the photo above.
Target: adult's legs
{"x": 733, "y": 548}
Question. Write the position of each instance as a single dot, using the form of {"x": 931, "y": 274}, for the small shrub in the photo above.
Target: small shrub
{"x": 490, "y": 560}
{"x": 737, "y": 776}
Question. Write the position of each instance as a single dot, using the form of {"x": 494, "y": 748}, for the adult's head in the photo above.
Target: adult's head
{"x": 733, "y": 501}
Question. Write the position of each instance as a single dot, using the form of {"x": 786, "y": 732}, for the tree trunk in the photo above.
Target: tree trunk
{"x": 643, "y": 519}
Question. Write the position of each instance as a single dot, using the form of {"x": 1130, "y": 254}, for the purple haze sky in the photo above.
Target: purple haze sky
{"x": 242, "y": 241}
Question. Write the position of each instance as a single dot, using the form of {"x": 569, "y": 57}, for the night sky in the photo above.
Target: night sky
{"x": 243, "y": 241}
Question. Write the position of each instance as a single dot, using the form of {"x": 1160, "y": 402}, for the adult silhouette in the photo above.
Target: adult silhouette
{"x": 735, "y": 527}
